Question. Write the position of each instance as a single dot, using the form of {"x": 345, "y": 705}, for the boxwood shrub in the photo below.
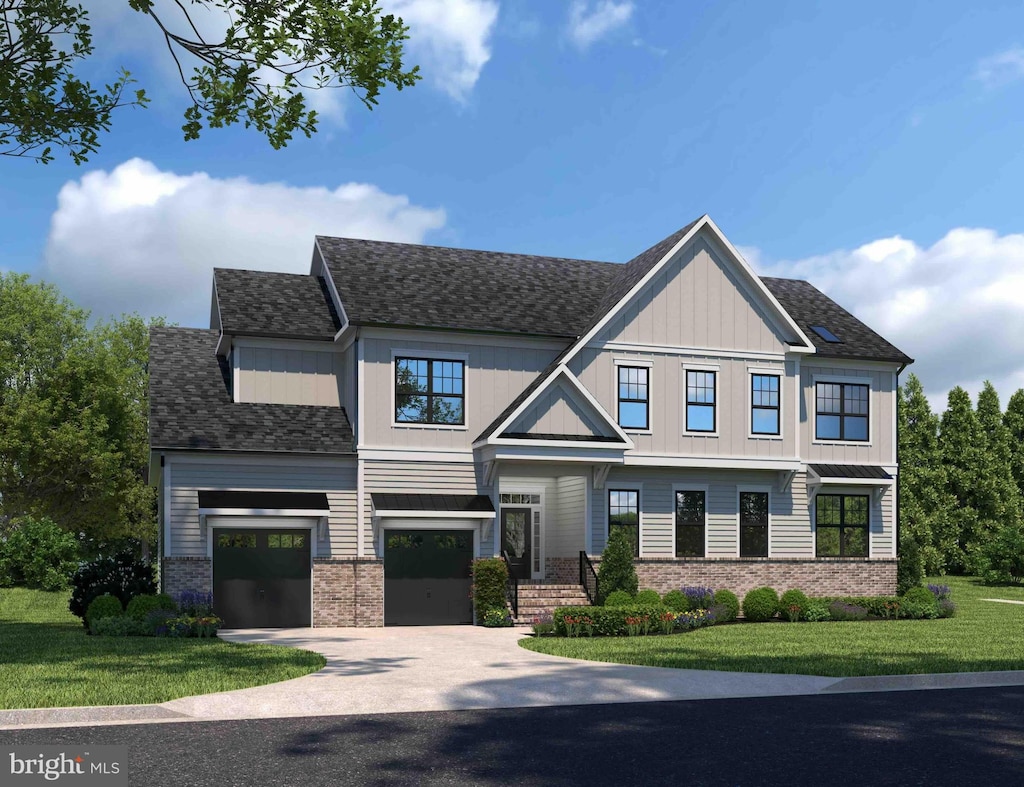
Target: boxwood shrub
{"x": 140, "y": 606}
{"x": 105, "y": 606}
{"x": 760, "y": 604}
{"x": 727, "y": 606}
{"x": 607, "y": 621}
{"x": 676, "y": 601}
{"x": 648, "y": 597}
{"x": 618, "y": 598}
{"x": 792, "y": 605}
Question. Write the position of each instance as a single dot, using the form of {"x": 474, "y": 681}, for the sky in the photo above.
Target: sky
{"x": 873, "y": 148}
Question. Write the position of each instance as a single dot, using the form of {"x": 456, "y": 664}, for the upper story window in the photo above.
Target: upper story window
{"x": 624, "y": 514}
{"x": 700, "y": 401}
{"x": 429, "y": 391}
{"x": 841, "y": 411}
{"x": 764, "y": 404}
{"x": 634, "y": 397}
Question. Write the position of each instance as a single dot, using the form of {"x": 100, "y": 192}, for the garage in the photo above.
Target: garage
{"x": 427, "y": 577}
{"x": 262, "y": 546}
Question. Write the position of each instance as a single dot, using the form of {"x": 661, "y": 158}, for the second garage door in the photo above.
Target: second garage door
{"x": 427, "y": 577}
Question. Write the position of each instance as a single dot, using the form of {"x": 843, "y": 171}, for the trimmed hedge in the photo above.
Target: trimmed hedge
{"x": 490, "y": 578}
{"x": 760, "y": 604}
{"x": 606, "y": 621}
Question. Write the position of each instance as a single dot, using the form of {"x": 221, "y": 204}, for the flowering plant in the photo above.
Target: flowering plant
{"x": 577, "y": 626}
{"x": 638, "y": 625}
{"x": 939, "y": 591}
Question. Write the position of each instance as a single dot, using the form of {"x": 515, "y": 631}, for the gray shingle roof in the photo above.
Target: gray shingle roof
{"x": 461, "y": 289}
{"x": 258, "y": 303}
{"x": 190, "y": 405}
{"x": 809, "y": 306}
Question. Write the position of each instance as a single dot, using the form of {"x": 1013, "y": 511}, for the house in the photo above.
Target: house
{"x": 338, "y": 446}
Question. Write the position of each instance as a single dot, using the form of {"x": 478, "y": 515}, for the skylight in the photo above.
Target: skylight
{"x": 826, "y": 334}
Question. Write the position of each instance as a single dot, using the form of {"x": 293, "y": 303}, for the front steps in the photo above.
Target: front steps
{"x": 539, "y": 599}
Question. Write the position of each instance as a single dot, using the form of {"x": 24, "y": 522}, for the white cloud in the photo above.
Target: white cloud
{"x": 1001, "y": 68}
{"x": 588, "y": 24}
{"x": 449, "y": 39}
{"x": 141, "y": 239}
{"x": 957, "y": 306}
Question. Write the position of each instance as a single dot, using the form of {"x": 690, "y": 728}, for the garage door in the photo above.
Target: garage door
{"x": 427, "y": 577}
{"x": 261, "y": 577}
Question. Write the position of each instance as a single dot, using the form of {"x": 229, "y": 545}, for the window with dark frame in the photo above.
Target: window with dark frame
{"x": 841, "y": 525}
{"x": 624, "y": 514}
{"x": 753, "y": 524}
{"x": 634, "y": 397}
{"x": 690, "y": 522}
{"x": 841, "y": 412}
{"x": 429, "y": 391}
{"x": 764, "y": 404}
{"x": 700, "y": 401}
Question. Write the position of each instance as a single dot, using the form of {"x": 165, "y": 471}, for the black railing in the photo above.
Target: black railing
{"x": 511, "y": 586}
{"x": 588, "y": 578}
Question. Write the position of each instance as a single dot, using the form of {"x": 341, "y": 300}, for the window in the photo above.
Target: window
{"x": 286, "y": 541}
{"x": 236, "y": 540}
{"x": 633, "y": 397}
{"x": 841, "y": 411}
{"x": 753, "y": 524}
{"x": 841, "y": 525}
{"x": 429, "y": 391}
{"x": 519, "y": 499}
{"x": 700, "y": 401}
{"x": 624, "y": 514}
{"x": 690, "y": 524}
{"x": 764, "y": 404}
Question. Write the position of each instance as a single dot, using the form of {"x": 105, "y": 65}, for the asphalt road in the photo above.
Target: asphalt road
{"x": 958, "y": 737}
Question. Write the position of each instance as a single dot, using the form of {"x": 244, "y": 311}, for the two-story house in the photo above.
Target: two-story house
{"x": 338, "y": 447}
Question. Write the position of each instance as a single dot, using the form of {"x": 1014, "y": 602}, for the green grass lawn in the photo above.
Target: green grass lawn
{"x": 983, "y": 636}
{"x": 47, "y": 660}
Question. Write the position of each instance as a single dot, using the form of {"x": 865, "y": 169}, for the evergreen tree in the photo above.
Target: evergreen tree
{"x": 925, "y": 504}
{"x": 1013, "y": 419}
{"x": 616, "y": 571}
{"x": 962, "y": 451}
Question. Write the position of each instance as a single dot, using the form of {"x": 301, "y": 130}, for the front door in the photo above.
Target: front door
{"x": 516, "y": 540}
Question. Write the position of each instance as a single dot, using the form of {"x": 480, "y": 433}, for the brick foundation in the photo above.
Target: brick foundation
{"x": 348, "y": 592}
{"x": 186, "y": 573}
{"x": 820, "y": 577}
{"x": 562, "y": 570}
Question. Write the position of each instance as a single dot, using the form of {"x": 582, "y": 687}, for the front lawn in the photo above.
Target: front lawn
{"x": 983, "y": 636}
{"x": 47, "y": 660}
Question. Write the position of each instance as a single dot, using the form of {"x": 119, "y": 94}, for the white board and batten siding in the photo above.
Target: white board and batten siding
{"x": 288, "y": 374}
{"x": 336, "y": 478}
{"x": 560, "y": 410}
{"x": 791, "y": 515}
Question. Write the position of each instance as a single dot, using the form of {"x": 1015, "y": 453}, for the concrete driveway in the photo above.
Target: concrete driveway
{"x": 434, "y": 668}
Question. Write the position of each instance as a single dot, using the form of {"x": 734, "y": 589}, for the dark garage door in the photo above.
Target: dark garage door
{"x": 427, "y": 577}
{"x": 261, "y": 578}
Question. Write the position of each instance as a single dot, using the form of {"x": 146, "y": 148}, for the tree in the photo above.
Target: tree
{"x": 925, "y": 505}
{"x": 73, "y": 410}
{"x": 1013, "y": 419}
{"x": 254, "y": 70}
{"x": 961, "y": 450}
{"x": 616, "y": 571}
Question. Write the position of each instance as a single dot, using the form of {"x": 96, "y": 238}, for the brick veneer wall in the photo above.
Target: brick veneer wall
{"x": 186, "y": 573}
{"x": 348, "y": 592}
{"x": 562, "y": 570}
{"x": 820, "y": 577}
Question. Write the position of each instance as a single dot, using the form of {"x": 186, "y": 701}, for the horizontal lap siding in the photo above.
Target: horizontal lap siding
{"x": 435, "y": 478}
{"x": 338, "y": 481}
{"x": 565, "y": 535}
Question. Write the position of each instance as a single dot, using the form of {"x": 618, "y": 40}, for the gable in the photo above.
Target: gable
{"x": 561, "y": 411}
{"x": 701, "y": 298}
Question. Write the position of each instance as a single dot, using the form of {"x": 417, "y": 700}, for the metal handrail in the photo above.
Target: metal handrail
{"x": 588, "y": 575}
{"x": 511, "y": 585}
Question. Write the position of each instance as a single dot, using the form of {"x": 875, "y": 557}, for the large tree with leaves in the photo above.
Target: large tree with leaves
{"x": 925, "y": 503}
{"x": 1013, "y": 419}
{"x": 73, "y": 409}
{"x": 253, "y": 69}
{"x": 962, "y": 449}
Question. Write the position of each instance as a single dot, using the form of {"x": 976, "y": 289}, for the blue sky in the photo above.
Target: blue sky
{"x": 873, "y": 148}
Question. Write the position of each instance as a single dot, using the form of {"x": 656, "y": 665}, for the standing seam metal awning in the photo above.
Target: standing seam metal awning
{"x": 389, "y": 504}
{"x": 876, "y": 478}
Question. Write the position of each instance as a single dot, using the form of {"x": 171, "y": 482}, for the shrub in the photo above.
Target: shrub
{"x": 816, "y": 611}
{"x": 120, "y": 626}
{"x": 699, "y": 597}
{"x": 727, "y": 600}
{"x": 206, "y": 626}
{"x": 877, "y": 606}
{"x": 496, "y": 617}
{"x": 616, "y": 571}
{"x": 39, "y": 554}
{"x": 619, "y": 598}
{"x": 939, "y": 591}
{"x": 760, "y": 604}
{"x": 910, "y": 567}
{"x": 946, "y": 608}
{"x": 194, "y": 603}
{"x": 918, "y": 603}
{"x": 675, "y": 601}
{"x": 648, "y": 598}
{"x": 542, "y": 629}
{"x": 156, "y": 622}
{"x": 140, "y": 606}
{"x": 121, "y": 575}
{"x": 105, "y": 606}
{"x": 604, "y": 621}
{"x": 841, "y": 610}
{"x": 1002, "y": 557}
{"x": 792, "y": 605}
{"x": 490, "y": 579}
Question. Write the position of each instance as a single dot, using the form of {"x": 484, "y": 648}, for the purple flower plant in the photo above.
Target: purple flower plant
{"x": 699, "y": 597}
{"x": 939, "y": 591}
